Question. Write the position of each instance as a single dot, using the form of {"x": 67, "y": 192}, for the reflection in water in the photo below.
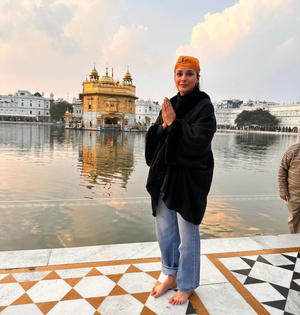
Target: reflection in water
{"x": 220, "y": 220}
{"x": 46, "y": 170}
{"x": 106, "y": 157}
{"x": 255, "y": 142}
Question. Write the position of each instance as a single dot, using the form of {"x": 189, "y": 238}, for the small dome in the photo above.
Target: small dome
{"x": 67, "y": 113}
{"x": 126, "y": 117}
{"x": 94, "y": 72}
{"x": 99, "y": 116}
{"x": 127, "y": 75}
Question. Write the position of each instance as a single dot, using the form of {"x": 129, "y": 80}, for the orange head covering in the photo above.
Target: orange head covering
{"x": 188, "y": 61}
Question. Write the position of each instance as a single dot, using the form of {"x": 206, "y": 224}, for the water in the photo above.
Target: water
{"x": 63, "y": 188}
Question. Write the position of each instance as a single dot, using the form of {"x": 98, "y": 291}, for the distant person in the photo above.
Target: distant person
{"x": 289, "y": 185}
{"x": 178, "y": 151}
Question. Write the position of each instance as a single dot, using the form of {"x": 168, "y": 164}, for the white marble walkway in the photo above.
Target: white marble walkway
{"x": 250, "y": 275}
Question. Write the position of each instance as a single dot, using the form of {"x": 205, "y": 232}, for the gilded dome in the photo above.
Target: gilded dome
{"x": 99, "y": 116}
{"x": 126, "y": 117}
{"x": 67, "y": 113}
{"x": 127, "y": 75}
{"x": 94, "y": 72}
{"x": 106, "y": 79}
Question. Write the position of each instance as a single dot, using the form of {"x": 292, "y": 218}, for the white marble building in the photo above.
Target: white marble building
{"x": 287, "y": 114}
{"x": 144, "y": 109}
{"x": 25, "y": 106}
{"x": 77, "y": 108}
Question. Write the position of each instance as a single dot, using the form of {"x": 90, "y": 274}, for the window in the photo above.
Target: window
{"x": 90, "y": 106}
{"x": 47, "y": 106}
{"x": 30, "y": 105}
{"x": 22, "y": 104}
{"x": 30, "y": 112}
{"x": 139, "y": 117}
{"x": 39, "y": 113}
{"x": 39, "y": 105}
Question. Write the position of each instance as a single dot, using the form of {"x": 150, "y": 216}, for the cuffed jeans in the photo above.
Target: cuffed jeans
{"x": 179, "y": 242}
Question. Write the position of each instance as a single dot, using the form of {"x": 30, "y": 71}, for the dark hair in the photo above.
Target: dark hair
{"x": 197, "y": 85}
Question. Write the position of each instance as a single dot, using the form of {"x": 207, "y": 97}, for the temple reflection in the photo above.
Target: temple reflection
{"x": 107, "y": 158}
{"x": 224, "y": 220}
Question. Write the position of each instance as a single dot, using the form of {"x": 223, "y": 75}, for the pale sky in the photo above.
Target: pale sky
{"x": 247, "y": 48}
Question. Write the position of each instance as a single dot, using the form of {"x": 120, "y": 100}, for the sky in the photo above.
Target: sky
{"x": 248, "y": 49}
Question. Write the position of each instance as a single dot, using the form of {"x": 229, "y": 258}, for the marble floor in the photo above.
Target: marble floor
{"x": 251, "y": 275}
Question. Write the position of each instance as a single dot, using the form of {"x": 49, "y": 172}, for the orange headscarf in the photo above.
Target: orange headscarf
{"x": 188, "y": 61}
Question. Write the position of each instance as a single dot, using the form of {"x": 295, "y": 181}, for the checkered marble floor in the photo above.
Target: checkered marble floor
{"x": 272, "y": 279}
{"x": 117, "y": 279}
{"x": 88, "y": 289}
{"x": 269, "y": 280}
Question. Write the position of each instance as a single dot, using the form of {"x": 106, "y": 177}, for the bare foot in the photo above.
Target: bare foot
{"x": 180, "y": 297}
{"x": 168, "y": 284}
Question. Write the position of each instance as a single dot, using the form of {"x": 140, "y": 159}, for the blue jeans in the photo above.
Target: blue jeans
{"x": 179, "y": 242}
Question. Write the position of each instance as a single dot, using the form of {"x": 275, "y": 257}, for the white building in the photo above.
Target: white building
{"x": 24, "y": 106}
{"x": 288, "y": 115}
{"x": 144, "y": 109}
{"x": 77, "y": 108}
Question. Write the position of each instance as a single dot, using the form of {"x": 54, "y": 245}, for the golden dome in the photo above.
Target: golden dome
{"x": 94, "y": 72}
{"x": 99, "y": 116}
{"x": 67, "y": 113}
{"x": 126, "y": 117}
{"x": 127, "y": 75}
{"x": 106, "y": 79}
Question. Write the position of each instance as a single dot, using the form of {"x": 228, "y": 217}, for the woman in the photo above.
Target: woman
{"x": 178, "y": 151}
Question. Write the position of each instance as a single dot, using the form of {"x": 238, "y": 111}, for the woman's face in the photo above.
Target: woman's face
{"x": 185, "y": 79}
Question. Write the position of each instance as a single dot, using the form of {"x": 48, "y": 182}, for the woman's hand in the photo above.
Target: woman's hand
{"x": 168, "y": 113}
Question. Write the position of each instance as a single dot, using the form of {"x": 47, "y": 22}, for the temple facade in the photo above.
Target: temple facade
{"x": 108, "y": 103}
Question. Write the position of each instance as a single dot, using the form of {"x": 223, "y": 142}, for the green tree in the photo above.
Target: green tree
{"x": 58, "y": 110}
{"x": 258, "y": 117}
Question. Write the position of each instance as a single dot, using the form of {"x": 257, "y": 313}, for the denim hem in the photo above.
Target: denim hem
{"x": 185, "y": 291}
{"x": 169, "y": 270}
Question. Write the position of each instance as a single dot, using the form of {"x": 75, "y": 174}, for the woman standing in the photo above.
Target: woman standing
{"x": 178, "y": 151}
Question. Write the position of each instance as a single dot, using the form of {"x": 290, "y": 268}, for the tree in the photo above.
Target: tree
{"x": 58, "y": 110}
{"x": 258, "y": 117}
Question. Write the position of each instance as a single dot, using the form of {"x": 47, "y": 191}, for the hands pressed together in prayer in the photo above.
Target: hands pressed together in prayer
{"x": 168, "y": 113}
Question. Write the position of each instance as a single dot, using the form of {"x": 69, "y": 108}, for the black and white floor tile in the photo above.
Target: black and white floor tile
{"x": 273, "y": 279}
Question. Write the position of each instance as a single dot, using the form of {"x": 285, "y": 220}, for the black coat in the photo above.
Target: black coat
{"x": 180, "y": 157}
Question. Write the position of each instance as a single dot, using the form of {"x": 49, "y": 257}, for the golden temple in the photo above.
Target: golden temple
{"x": 107, "y": 103}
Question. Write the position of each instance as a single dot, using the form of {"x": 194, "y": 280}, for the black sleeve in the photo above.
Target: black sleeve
{"x": 153, "y": 137}
{"x": 186, "y": 144}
